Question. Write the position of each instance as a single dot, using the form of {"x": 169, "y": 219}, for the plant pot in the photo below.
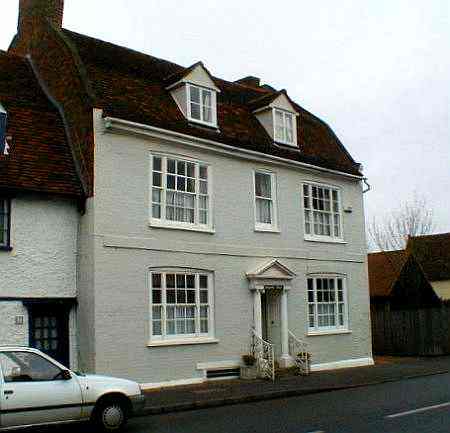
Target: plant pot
{"x": 249, "y": 372}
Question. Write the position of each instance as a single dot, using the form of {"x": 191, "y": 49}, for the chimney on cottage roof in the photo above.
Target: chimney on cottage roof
{"x": 31, "y": 12}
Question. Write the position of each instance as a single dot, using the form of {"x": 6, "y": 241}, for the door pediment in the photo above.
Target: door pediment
{"x": 271, "y": 270}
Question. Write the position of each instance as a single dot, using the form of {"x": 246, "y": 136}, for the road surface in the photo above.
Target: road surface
{"x": 414, "y": 406}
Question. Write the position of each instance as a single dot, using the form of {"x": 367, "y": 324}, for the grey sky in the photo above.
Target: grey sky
{"x": 377, "y": 71}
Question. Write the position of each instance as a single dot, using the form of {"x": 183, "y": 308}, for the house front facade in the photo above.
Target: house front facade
{"x": 189, "y": 295}
{"x": 39, "y": 196}
{"x": 217, "y": 214}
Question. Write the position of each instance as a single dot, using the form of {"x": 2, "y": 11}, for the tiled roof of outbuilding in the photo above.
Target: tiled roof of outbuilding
{"x": 132, "y": 86}
{"x": 40, "y": 158}
{"x": 384, "y": 269}
{"x": 433, "y": 254}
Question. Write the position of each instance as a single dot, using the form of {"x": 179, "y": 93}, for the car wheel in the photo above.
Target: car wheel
{"x": 110, "y": 415}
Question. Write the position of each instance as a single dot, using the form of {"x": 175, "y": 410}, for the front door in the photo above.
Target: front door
{"x": 49, "y": 331}
{"x": 271, "y": 321}
{"x": 34, "y": 391}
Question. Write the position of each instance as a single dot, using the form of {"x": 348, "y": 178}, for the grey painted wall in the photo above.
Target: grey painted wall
{"x": 126, "y": 247}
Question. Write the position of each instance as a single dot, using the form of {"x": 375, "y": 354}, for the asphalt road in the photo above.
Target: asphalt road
{"x": 414, "y": 406}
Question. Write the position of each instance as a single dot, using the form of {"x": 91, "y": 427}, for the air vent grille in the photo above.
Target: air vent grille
{"x": 222, "y": 373}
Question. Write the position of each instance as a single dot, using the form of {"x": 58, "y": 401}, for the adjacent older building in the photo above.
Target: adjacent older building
{"x": 217, "y": 213}
{"x": 409, "y": 294}
{"x": 39, "y": 198}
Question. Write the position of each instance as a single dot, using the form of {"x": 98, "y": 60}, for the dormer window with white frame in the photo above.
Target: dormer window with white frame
{"x": 278, "y": 115}
{"x": 201, "y": 105}
{"x": 195, "y": 93}
{"x": 284, "y": 124}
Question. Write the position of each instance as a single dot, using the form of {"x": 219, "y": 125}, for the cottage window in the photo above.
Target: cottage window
{"x": 181, "y": 305}
{"x": 284, "y": 123}
{"x": 322, "y": 213}
{"x": 327, "y": 303}
{"x": 180, "y": 193}
{"x": 265, "y": 203}
{"x": 201, "y": 105}
{"x": 5, "y": 225}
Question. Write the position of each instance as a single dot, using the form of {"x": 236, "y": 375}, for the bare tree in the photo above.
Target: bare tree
{"x": 412, "y": 218}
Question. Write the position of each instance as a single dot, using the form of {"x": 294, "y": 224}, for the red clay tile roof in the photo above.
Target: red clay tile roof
{"x": 40, "y": 158}
{"x": 433, "y": 254}
{"x": 384, "y": 269}
{"x": 131, "y": 86}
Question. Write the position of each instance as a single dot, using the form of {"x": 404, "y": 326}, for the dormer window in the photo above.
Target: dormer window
{"x": 195, "y": 93}
{"x": 202, "y": 105}
{"x": 278, "y": 115}
{"x": 284, "y": 127}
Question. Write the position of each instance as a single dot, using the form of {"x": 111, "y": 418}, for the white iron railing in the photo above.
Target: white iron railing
{"x": 298, "y": 349}
{"x": 263, "y": 353}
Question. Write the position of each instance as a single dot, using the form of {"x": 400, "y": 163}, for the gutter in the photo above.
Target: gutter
{"x": 369, "y": 187}
{"x": 113, "y": 123}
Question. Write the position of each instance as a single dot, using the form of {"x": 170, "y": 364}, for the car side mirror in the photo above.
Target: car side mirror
{"x": 66, "y": 375}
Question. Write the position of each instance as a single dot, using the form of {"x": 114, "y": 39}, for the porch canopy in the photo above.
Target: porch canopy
{"x": 272, "y": 275}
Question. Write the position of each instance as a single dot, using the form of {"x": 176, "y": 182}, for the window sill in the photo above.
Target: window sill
{"x": 324, "y": 239}
{"x": 328, "y": 332}
{"x": 181, "y": 342}
{"x": 196, "y": 122}
{"x": 162, "y": 225}
{"x": 285, "y": 143}
{"x": 267, "y": 229}
{"x": 6, "y": 248}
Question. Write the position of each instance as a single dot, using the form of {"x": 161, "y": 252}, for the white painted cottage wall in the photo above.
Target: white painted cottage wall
{"x": 44, "y": 240}
{"x": 42, "y": 263}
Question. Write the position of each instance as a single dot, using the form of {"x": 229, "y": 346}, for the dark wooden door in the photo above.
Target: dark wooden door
{"x": 49, "y": 331}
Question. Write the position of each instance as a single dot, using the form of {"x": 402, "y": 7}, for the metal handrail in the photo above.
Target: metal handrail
{"x": 263, "y": 352}
{"x": 298, "y": 349}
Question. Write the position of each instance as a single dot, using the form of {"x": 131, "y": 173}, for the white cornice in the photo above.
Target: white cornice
{"x": 113, "y": 123}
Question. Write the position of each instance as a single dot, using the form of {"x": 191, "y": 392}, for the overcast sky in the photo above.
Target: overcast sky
{"x": 377, "y": 71}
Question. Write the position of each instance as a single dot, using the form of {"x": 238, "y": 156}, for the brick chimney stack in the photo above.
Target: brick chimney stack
{"x": 32, "y": 12}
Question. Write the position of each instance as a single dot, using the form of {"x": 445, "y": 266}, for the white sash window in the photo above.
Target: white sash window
{"x": 180, "y": 195}
{"x": 322, "y": 212}
{"x": 181, "y": 305}
{"x": 327, "y": 303}
{"x": 265, "y": 201}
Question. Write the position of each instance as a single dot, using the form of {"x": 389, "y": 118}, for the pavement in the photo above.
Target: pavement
{"x": 221, "y": 393}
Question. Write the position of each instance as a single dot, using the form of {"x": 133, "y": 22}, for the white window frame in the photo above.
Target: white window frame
{"x": 316, "y": 329}
{"x": 175, "y": 339}
{"x": 273, "y": 226}
{"x": 202, "y": 89}
{"x": 294, "y": 127}
{"x": 162, "y": 221}
{"x": 317, "y": 237}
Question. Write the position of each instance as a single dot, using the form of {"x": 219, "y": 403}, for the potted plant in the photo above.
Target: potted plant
{"x": 248, "y": 370}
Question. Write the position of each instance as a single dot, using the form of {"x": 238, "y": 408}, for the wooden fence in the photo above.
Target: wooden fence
{"x": 411, "y": 332}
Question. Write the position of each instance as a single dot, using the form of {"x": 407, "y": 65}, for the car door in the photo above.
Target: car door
{"x": 34, "y": 391}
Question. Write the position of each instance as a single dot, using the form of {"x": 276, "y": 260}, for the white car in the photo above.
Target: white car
{"x": 35, "y": 389}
